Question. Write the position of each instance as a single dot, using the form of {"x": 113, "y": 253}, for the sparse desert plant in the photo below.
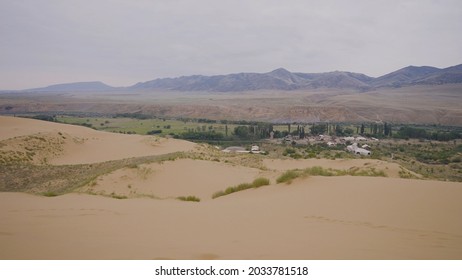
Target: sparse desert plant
{"x": 189, "y": 198}
{"x": 117, "y": 196}
{"x": 260, "y": 182}
{"x": 50, "y": 194}
{"x": 244, "y": 186}
{"x": 288, "y": 176}
{"x": 218, "y": 194}
{"x": 319, "y": 171}
{"x": 370, "y": 172}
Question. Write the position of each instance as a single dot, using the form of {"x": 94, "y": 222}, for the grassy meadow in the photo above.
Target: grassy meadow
{"x": 160, "y": 126}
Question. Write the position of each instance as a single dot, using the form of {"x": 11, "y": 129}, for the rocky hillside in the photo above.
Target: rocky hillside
{"x": 282, "y": 79}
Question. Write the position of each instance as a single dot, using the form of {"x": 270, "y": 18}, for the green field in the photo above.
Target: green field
{"x": 137, "y": 126}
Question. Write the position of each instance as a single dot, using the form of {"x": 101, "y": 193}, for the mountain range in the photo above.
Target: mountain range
{"x": 282, "y": 79}
{"x": 79, "y": 86}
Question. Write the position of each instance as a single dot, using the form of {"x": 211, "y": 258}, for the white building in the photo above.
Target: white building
{"x": 235, "y": 149}
{"x": 357, "y": 150}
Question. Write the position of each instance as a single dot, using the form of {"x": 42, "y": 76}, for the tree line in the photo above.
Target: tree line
{"x": 253, "y": 130}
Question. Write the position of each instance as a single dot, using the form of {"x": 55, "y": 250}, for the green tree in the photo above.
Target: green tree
{"x": 302, "y": 132}
{"x": 242, "y": 131}
{"x": 348, "y": 131}
{"x": 339, "y": 130}
{"x": 317, "y": 129}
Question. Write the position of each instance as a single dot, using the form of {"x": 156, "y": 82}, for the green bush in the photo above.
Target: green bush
{"x": 244, "y": 186}
{"x": 189, "y": 198}
{"x": 50, "y": 194}
{"x": 288, "y": 176}
{"x": 218, "y": 194}
{"x": 260, "y": 182}
{"x": 319, "y": 171}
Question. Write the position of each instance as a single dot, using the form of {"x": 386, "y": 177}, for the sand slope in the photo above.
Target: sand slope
{"x": 313, "y": 218}
{"x": 171, "y": 179}
{"x": 391, "y": 169}
{"x": 84, "y": 145}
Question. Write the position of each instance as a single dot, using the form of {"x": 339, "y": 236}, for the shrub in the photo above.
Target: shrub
{"x": 288, "y": 176}
{"x": 288, "y": 151}
{"x": 319, "y": 171}
{"x": 260, "y": 182}
{"x": 189, "y": 198}
{"x": 156, "y": 131}
{"x": 240, "y": 187}
{"x": 296, "y": 156}
{"x": 218, "y": 194}
{"x": 244, "y": 186}
{"x": 50, "y": 194}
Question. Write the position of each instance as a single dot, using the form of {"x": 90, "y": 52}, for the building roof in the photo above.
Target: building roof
{"x": 235, "y": 149}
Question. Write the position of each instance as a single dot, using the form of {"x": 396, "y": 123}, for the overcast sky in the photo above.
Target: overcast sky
{"x": 121, "y": 42}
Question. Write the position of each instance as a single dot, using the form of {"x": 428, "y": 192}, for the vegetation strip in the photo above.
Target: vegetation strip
{"x": 53, "y": 180}
{"x": 255, "y": 184}
{"x": 189, "y": 198}
{"x": 288, "y": 176}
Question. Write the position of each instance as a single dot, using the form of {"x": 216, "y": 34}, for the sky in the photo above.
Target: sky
{"x": 122, "y": 42}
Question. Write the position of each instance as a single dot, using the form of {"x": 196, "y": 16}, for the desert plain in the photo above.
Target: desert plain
{"x": 115, "y": 196}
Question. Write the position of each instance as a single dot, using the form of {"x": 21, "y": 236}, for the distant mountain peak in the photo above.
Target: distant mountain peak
{"x": 405, "y": 76}
{"x": 280, "y": 71}
{"x": 282, "y": 79}
{"x": 78, "y": 86}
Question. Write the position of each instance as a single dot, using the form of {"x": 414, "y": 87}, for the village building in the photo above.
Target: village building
{"x": 241, "y": 150}
{"x": 235, "y": 149}
{"x": 357, "y": 150}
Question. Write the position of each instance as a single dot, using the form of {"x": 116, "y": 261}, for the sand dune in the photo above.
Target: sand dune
{"x": 84, "y": 145}
{"x": 106, "y": 146}
{"x": 312, "y": 218}
{"x": 16, "y": 127}
{"x": 171, "y": 179}
{"x": 391, "y": 169}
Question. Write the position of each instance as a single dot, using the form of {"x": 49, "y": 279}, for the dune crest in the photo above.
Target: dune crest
{"x": 69, "y": 144}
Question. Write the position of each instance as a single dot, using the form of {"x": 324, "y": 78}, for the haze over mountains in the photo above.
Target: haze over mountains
{"x": 282, "y": 79}
{"x": 426, "y": 95}
{"x": 79, "y": 86}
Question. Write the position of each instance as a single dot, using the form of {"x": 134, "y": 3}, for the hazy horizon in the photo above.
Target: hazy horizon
{"x": 224, "y": 74}
{"x": 121, "y": 43}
